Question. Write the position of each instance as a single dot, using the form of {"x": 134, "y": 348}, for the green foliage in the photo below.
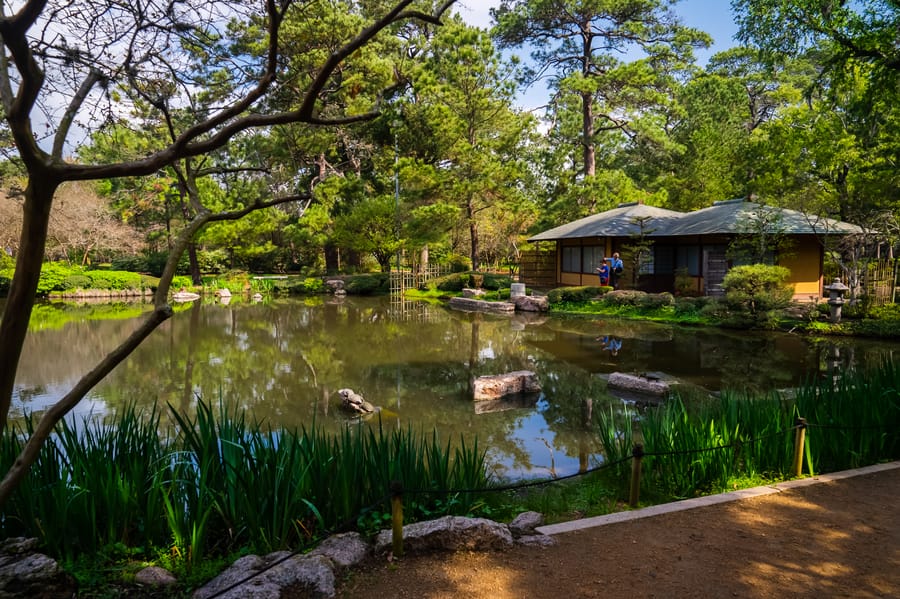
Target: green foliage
{"x": 305, "y": 286}
{"x": 73, "y": 282}
{"x": 182, "y": 282}
{"x": 6, "y": 276}
{"x": 754, "y": 293}
{"x": 575, "y": 294}
{"x": 367, "y": 284}
{"x": 223, "y": 484}
{"x": 655, "y": 301}
{"x": 109, "y": 279}
{"x": 213, "y": 262}
{"x": 459, "y": 263}
{"x": 53, "y": 277}
{"x": 493, "y": 282}
{"x": 685, "y": 306}
{"x": 453, "y": 283}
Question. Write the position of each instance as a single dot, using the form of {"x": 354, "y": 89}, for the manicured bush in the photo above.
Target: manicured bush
{"x": 754, "y": 292}
{"x": 53, "y": 276}
{"x": 625, "y": 297}
{"x": 305, "y": 286}
{"x": 452, "y": 283}
{"x": 575, "y": 294}
{"x": 458, "y": 263}
{"x": 654, "y": 301}
{"x": 493, "y": 282}
{"x": 367, "y": 284}
{"x": 73, "y": 282}
{"x": 113, "y": 279}
{"x": 129, "y": 263}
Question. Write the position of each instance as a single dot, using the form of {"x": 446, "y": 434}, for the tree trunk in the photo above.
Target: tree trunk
{"x": 473, "y": 232}
{"x": 20, "y": 302}
{"x": 587, "y": 134}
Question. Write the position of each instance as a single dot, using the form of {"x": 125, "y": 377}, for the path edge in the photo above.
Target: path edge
{"x": 696, "y": 502}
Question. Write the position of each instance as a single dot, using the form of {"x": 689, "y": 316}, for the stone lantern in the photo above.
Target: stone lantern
{"x": 835, "y": 300}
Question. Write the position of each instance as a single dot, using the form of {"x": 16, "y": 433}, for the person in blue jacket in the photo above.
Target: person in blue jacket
{"x": 603, "y": 273}
{"x": 615, "y": 269}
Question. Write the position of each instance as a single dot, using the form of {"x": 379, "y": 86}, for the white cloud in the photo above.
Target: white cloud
{"x": 476, "y": 12}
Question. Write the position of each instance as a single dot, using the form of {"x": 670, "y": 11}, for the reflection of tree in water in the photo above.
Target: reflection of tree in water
{"x": 284, "y": 361}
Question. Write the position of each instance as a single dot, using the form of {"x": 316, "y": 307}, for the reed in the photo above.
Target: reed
{"x": 224, "y": 483}
{"x": 855, "y": 420}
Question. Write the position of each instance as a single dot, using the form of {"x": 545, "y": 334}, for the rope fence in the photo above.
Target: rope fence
{"x": 638, "y": 453}
{"x": 398, "y": 492}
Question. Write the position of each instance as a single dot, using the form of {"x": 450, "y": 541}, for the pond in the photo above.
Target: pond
{"x": 283, "y": 362}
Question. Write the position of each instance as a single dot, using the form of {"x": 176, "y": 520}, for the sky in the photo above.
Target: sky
{"x": 712, "y": 16}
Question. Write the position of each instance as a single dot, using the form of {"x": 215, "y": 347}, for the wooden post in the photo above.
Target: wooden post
{"x": 637, "y": 453}
{"x": 397, "y": 517}
{"x": 799, "y": 439}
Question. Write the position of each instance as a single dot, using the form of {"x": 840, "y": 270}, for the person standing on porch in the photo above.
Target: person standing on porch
{"x": 615, "y": 269}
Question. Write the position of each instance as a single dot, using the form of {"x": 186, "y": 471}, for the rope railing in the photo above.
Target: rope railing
{"x": 638, "y": 453}
{"x": 398, "y": 492}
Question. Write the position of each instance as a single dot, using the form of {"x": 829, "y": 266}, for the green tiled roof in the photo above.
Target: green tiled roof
{"x": 727, "y": 217}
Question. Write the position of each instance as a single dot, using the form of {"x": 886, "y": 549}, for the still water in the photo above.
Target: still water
{"x": 284, "y": 360}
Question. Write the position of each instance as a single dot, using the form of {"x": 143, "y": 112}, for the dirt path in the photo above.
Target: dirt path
{"x": 831, "y": 539}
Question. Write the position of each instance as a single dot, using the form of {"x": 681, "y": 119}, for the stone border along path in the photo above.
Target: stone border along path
{"x": 689, "y": 504}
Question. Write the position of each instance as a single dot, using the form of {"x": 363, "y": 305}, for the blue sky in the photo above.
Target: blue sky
{"x": 711, "y": 16}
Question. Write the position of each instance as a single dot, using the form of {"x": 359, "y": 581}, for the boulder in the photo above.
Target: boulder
{"x": 532, "y": 303}
{"x": 334, "y": 285}
{"x": 638, "y": 384}
{"x": 450, "y": 533}
{"x": 155, "y": 577}
{"x": 525, "y": 523}
{"x": 498, "y": 385}
{"x": 277, "y": 575}
{"x": 476, "y": 305}
{"x": 345, "y": 550}
{"x": 25, "y": 573}
{"x": 473, "y": 292}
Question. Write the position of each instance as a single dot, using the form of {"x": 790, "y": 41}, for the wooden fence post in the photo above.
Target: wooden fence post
{"x": 637, "y": 453}
{"x": 397, "y": 517}
{"x": 799, "y": 439}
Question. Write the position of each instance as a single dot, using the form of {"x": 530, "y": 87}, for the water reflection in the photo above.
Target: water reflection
{"x": 284, "y": 360}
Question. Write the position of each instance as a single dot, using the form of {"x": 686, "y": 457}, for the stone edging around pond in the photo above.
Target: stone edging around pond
{"x": 269, "y": 575}
{"x": 527, "y": 303}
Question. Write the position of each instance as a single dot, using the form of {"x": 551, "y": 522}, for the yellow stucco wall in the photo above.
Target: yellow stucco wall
{"x": 804, "y": 260}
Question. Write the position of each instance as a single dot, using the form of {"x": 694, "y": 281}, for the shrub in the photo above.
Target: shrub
{"x": 213, "y": 261}
{"x": 77, "y": 282}
{"x": 685, "y": 306}
{"x": 754, "y": 292}
{"x": 685, "y": 284}
{"x": 575, "y": 294}
{"x": 458, "y": 263}
{"x": 452, "y": 283}
{"x": 306, "y": 286}
{"x": 181, "y": 281}
{"x": 53, "y": 276}
{"x": 366, "y": 284}
{"x": 129, "y": 263}
{"x": 627, "y": 297}
{"x": 6, "y": 261}
{"x": 655, "y": 301}
{"x": 114, "y": 279}
{"x": 493, "y": 282}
